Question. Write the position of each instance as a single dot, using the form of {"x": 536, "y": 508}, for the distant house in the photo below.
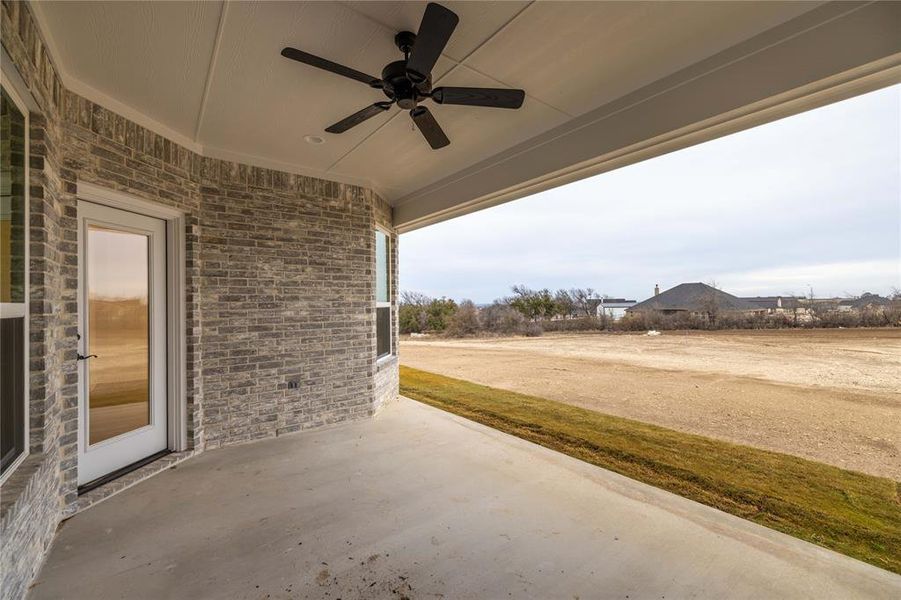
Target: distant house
{"x": 793, "y": 307}
{"x": 775, "y": 305}
{"x": 868, "y": 302}
{"x": 612, "y": 308}
{"x": 697, "y": 299}
{"x": 827, "y": 305}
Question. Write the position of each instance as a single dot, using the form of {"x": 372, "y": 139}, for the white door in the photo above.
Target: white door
{"x": 122, "y": 404}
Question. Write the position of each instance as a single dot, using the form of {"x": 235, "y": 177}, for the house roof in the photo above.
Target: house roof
{"x": 618, "y": 303}
{"x": 594, "y": 303}
{"x": 696, "y": 297}
{"x": 870, "y": 300}
{"x": 773, "y": 301}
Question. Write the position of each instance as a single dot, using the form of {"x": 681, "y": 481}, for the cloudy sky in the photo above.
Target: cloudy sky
{"x": 811, "y": 201}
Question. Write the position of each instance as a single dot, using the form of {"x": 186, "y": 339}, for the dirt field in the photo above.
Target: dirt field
{"x": 828, "y": 395}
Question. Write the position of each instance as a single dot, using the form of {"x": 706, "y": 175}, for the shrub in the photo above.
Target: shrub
{"x": 418, "y": 313}
{"x": 410, "y": 318}
{"x": 577, "y": 324}
{"x": 501, "y": 319}
{"x": 533, "y": 304}
{"x": 533, "y": 330}
{"x": 465, "y": 320}
{"x": 438, "y": 313}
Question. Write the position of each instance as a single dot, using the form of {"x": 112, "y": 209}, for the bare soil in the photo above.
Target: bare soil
{"x": 828, "y": 395}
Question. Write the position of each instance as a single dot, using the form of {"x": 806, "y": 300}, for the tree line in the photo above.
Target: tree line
{"x": 524, "y": 312}
{"x": 532, "y": 312}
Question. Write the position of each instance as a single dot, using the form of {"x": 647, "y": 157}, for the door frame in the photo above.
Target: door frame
{"x": 176, "y": 330}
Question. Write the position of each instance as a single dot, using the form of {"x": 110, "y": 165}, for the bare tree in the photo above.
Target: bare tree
{"x": 582, "y": 301}
{"x": 710, "y": 304}
{"x": 564, "y": 303}
{"x": 502, "y": 319}
{"x": 795, "y": 306}
{"x": 413, "y": 312}
{"x": 414, "y": 298}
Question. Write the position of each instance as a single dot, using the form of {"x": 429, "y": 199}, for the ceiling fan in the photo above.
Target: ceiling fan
{"x": 408, "y": 82}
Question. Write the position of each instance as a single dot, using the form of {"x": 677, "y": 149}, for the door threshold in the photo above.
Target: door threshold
{"x": 96, "y": 483}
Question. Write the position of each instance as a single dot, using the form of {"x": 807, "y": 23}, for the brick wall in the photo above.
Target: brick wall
{"x": 287, "y": 295}
{"x": 280, "y": 288}
{"x": 31, "y": 498}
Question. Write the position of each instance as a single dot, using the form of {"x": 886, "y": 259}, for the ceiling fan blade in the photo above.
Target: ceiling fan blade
{"x": 438, "y": 23}
{"x": 327, "y": 65}
{"x": 429, "y": 127}
{"x": 493, "y": 97}
{"x": 359, "y": 116}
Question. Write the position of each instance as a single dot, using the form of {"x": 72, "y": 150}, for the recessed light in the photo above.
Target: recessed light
{"x": 313, "y": 139}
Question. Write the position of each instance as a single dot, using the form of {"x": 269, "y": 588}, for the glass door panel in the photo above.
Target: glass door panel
{"x": 118, "y": 332}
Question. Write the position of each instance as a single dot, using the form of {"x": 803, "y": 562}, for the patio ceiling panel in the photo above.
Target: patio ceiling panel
{"x": 482, "y": 20}
{"x": 600, "y": 78}
{"x": 151, "y": 58}
{"x": 580, "y": 55}
{"x": 262, "y": 104}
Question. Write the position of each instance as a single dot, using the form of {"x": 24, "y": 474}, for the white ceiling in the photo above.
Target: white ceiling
{"x": 209, "y": 74}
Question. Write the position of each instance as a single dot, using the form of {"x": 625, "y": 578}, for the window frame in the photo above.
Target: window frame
{"x": 22, "y": 309}
{"x": 384, "y": 304}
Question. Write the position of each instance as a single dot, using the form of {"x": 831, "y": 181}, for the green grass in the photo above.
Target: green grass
{"x": 852, "y": 513}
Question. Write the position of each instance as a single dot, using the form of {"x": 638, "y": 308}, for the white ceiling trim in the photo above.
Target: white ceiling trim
{"x": 98, "y": 97}
{"x": 867, "y": 79}
{"x": 214, "y": 55}
{"x": 266, "y": 163}
{"x": 872, "y": 65}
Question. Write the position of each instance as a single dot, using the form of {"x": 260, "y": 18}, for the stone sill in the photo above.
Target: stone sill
{"x": 386, "y": 362}
{"x": 18, "y": 484}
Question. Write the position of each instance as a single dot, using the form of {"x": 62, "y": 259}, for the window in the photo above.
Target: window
{"x": 13, "y": 281}
{"x": 382, "y": 294}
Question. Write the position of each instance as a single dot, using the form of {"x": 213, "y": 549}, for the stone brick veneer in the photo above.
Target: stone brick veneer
{"x": 280, "y": 287}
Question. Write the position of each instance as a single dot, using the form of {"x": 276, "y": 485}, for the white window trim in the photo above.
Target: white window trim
{"x": 176, "y": 298}
{"x": 12, "y": 84}
{"x": 391, "y": 350}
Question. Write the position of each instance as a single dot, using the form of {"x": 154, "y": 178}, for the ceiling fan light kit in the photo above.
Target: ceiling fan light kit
{"x": 408, "y": 82}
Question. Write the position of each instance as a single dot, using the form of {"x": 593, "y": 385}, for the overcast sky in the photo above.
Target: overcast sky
{"x": 813, "y": 200}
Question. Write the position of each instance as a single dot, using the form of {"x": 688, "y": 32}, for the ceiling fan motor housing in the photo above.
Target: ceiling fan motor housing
{"x": 396, "y": 81}
{"x": 404, "y": 41}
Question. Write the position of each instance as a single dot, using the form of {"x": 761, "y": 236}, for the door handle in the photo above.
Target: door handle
{"x": 83, "y": 357}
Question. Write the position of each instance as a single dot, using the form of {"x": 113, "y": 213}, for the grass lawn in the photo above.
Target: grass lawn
{"x": 852, "y": 513}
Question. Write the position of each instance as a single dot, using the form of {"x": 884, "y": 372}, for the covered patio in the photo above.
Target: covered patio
{"x": 418, "y": 503}
{"x": 256, "y": 295}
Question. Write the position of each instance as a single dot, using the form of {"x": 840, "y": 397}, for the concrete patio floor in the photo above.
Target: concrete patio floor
{"x": 418, "y": 503}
